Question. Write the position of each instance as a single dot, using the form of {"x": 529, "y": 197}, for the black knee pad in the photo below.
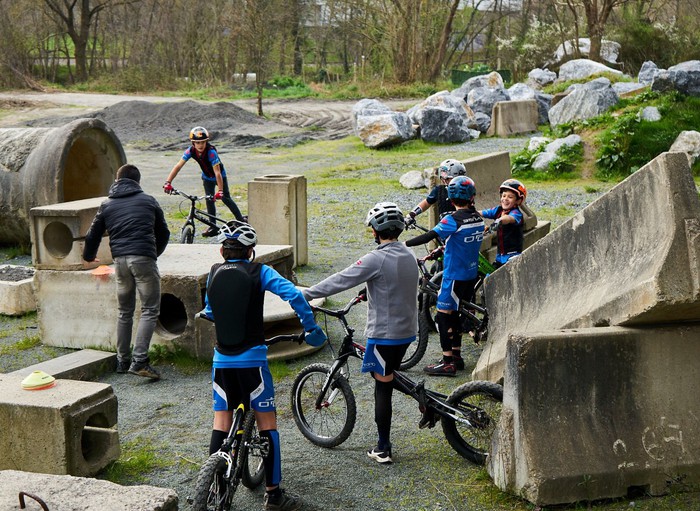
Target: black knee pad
{"x": 445, "y": 323}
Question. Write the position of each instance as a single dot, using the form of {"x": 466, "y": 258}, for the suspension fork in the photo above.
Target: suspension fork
{"x": 337, "y": 366}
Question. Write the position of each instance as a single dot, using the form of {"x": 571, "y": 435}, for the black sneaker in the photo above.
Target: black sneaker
{"x": 441, "y": 368}
{"x": 211, "y": 232}
{"x": 380, "y": 456}
{"x": 144, "y": 370}
{"x": 458, "y": 362}
{"x": 123, "y": 365}
{"x": 283, "y": 501}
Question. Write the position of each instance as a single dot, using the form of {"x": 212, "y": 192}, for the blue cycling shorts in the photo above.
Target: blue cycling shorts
{"x": 452, "y": 291}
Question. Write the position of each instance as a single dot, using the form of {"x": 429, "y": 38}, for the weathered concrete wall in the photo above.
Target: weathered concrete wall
{"x": 631, "y": 257}
{"x": 68, "y": 493}
{"x": 279, "y": 203}
{"x": 40, "y": 166}
{"x": 513, "y": 117}
{"x": 67, "y": 429}
{"x": 89, "y": 317}
{"x": 16, "y": 297}
{"x": 591, "y": 413}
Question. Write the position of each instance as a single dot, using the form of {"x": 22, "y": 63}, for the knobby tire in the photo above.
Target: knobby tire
{"x": 414, "y": 353}
{"x": 187, "y": 234}
{"x": 332, "y": 424}
{"x": 212, "y": 492}
{"x": 474, "y": 442}
{"x": 252, "y": 462}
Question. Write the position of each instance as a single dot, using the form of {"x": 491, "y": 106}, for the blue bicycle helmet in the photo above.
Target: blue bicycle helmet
{"x": 237, "y": 234}
{"x": 461, "y": 187}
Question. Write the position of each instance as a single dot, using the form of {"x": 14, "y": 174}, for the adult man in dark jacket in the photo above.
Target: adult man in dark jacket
{"x": 138, "y": 234}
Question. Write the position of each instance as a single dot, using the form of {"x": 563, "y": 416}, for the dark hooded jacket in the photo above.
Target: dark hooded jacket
{"x": 134, "y": 221}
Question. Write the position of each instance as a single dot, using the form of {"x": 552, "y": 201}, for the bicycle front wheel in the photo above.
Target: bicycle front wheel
{"x": 480, "y": 404}
{"x": 251, "y": 460}
{"x": 212, "y": 491}
{"x": 187, "y": 234}
{"x": 330, "y": 423}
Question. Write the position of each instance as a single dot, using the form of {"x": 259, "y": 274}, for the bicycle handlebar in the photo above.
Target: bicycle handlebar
{"x": 193, "y": 198}
{"x": 298, "y": 338}
{"x": 339, "y": 313}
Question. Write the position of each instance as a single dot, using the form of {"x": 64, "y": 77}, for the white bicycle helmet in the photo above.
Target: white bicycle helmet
{"x": 385, "y": 215}
{"x": 238, "y": 233}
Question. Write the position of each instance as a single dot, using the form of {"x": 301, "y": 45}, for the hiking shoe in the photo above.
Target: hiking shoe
{"x": 211, "y": 232}
{"x": 458, "y": 362}
{"x": 144, "y": 370}
{"x": 441, "y": 369}
{"x": 283, "y": 501}
{"x": 380, "y": 456}
{"x": 123, "y": 365}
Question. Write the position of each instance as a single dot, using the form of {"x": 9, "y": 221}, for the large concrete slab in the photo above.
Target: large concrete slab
{"x": 70, "y": 428}
{"x": 83, "y": 364}
{"x": 513, "y": 117}
{"x": 592, "y": 413}
{"x": 16, "y": 297}
{"x": 68, "y": 493}
{"x": 631, "y": 257}
{"x": 88, "y": 318}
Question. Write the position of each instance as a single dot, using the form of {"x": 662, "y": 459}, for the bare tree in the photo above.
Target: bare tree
{"x": 597, "y": 13}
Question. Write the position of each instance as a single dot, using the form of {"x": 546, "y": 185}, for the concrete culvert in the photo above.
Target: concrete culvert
{"x": 42, "y": 166}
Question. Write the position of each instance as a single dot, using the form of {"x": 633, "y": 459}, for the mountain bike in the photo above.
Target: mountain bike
{"x": 325, "y": 411}
{"x": 188, "y": 229}
{"x": 240, "y": 458}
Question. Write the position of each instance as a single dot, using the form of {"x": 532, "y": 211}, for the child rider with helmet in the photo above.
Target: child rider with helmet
{"x": 213, "y": 174}
{"x": 447, "y": 170}
{"x": 508, "y": 221}
{"x": 462, "y": 232}
{"x": 240, "y": 374}
{"x": 391, "y": 275}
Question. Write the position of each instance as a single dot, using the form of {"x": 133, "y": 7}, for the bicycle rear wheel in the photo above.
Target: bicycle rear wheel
{"x": 251, "y": 460}
{"x": 471, "y": 435}
{"x": 187, "y": 234}
{"x": 212, "y": 491}
{"x": 331, "y": 423}
{"x": 414, "y": 353}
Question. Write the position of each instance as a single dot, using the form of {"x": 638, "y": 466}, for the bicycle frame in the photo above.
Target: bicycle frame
{"x": 195, "y": 213}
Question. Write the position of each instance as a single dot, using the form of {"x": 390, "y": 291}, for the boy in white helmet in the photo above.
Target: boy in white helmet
{"x": 447, "y": 170}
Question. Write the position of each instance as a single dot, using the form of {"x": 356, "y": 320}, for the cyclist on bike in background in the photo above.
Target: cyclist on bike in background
{"x": 391, "y": 274}
{"x": 448, "y": 170}
{"x": 508, "y": 224}
{"x": 240, "y": 374}
{"x": 463, "y": 232}
{"x": 213, "y": 174}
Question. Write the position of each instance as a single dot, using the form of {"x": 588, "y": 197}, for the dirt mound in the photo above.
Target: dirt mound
{"x": 162, "y": 126}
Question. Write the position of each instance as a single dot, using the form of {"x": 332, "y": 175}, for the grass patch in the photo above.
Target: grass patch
{"x": 159, "y": 355}
{"x": 137, "y": 459}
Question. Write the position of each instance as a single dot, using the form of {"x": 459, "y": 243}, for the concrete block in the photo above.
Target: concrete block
{"x": 513, "y": 117}
{"x": 58, "y": 235}
{"x": 67, "y": 429}
{"x": 83, "y": 364}
{"x": 89, "y": 319}
{"x": 16, "y": 297}
{"x": 68, "y": 493}
{"x": 278, "y": 202}
{"x": 631, "y": 257}
{"x": 593, "y": 413}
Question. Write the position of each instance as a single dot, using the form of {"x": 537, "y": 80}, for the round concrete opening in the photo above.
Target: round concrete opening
{"x": 93, "y": 441}
{"x": 172, "y": 320}
{"x": 58, "y": 239}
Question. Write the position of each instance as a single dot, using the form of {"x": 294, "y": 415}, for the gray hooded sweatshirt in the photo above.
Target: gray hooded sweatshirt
{"x": 391, "y": 274}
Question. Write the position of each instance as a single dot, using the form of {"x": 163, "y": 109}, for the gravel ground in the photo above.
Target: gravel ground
{"x": 172, "y": 417}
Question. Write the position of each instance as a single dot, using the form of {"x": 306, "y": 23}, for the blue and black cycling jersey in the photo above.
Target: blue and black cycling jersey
{"x": 509, "y": 238}
{"x": 463, "y": 232}
{"x": 207, "y": 160}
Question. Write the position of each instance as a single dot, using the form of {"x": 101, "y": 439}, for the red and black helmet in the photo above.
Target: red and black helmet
{"x": 514, "y": 186}
{"x": 198, "y": 134}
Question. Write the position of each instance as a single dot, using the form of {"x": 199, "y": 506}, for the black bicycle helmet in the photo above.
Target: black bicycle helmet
{"x": 198, "y": 133}
{"x": 384, "y": 216}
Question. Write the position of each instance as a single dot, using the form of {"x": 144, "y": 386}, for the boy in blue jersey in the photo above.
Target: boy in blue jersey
{"x": 240, "y": 374}
{"x": 213, "y": 174}
{"x": 447, "y": 170}
{"x": 463, "y": 232}
{"x": 391, "y": 275}
{"x": 508, "y": 221}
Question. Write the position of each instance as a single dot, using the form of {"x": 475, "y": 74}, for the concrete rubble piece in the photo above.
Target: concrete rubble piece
{"x": 597, "y": 343}
{"x": 68, "y": 493}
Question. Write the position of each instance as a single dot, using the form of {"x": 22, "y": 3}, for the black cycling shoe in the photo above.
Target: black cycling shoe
{"x": 211, "y": 232}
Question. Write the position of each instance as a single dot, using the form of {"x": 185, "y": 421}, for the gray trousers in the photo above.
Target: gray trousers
{"x": 136, "y": 273}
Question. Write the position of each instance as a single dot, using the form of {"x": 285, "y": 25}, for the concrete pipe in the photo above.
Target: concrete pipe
{"x": 42, "y": 166}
